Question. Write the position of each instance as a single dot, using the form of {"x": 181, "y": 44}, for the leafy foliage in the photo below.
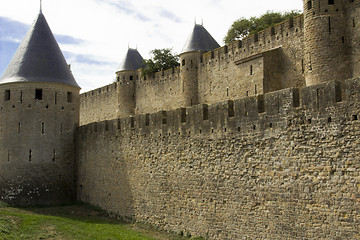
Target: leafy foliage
{"x": 162, "y": 59}
{"x": 243, "y": 27}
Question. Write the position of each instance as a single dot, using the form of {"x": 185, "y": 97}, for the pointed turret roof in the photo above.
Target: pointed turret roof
{"x": 200, "y": 40}
{"x": 39, "y": 58}
{"x": 132, "y": 61}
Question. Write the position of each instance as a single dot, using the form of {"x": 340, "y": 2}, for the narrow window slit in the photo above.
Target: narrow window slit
{"x": 42, "y": 128}
{"x": 54, "y": 156}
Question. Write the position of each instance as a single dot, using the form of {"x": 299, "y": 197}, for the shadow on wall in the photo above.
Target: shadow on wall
{"x": 104, "y": 183}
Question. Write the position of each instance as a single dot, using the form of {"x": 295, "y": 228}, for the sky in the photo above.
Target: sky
{"x": 94, "y": 35}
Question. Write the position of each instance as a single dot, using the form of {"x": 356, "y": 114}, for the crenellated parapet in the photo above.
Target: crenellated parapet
{"x": 250, "y": 115}
{"x": 99, "y": 104}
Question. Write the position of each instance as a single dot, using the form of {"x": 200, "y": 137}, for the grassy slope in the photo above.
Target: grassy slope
{"x": 70, "y": 222}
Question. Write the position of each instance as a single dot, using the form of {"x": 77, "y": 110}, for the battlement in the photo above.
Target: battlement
{"x": 100, "y": 91}
{"x": 264, "y": 40}
{"x": 244, "y": 116}
{"x": 161, "y": 76}
{"x": 99, "y": 104}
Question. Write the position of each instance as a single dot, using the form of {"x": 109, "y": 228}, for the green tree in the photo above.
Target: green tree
{"x": 243, "y": 27}
{"x": 161, "y": 59}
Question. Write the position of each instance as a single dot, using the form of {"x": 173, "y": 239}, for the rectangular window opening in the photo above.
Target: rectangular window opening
{"x": 21, "y": 96}
{"x": 30, "y": 155}
{"x": 291, "y": 22}
{"x": 256, "y": 37}
{"x": 272, "y": 31}
{"x": 331, "y": 2}
{"x": 309, "y": 5}
{"x": 69, "y": 97}
{"x": 183, "y": 115}
{"x": 147, "y": 119}
{"x": 132, "y": 122}
{"x": 19, "y": 128}
{"x": 205, "y": 112}
{"x": 42, "y": 128}
{"x": 164, "y": 117}
{"x": 231, "y": 112}
{"x": 106, "y": 126}
{"x": 38, "y": 94}
{"x": 261, "y": 104}
{"x": 7, "y": 95}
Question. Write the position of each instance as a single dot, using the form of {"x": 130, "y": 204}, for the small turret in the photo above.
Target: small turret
{"x": 326, "y": 41}
{"x": 39, "y": 105}
{"x": 199, "y": 41}
{"x": 126, "y": 77}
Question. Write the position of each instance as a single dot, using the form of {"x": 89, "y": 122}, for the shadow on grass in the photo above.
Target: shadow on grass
{"x": 87, "y": 216}
{"x": 79, "y": 211}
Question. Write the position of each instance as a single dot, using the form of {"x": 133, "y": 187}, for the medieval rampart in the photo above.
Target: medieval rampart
{"x": 277, "y": 166}
{"x": 241, "y": 68}
{"x": 99, "y": 104}
{"x": 258, "y": 64}
{"x": 161, "y": 91}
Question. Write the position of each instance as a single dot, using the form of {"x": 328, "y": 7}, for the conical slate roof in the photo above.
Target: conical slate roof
{"x": 132, "y": 61}
{"x": 39, "y": 58}
{"x": 200, "y": 40}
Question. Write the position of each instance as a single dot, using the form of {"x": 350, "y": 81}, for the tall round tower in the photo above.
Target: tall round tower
{"x": 126, "y": 76}
{"x": 39, "y": 113}
{"x": 199, "y": 41}
{"x": 326, "y": 43}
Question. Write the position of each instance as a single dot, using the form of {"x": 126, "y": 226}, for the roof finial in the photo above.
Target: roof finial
{"x": 194, "y": 20}
{"x": 202, "y": 22}
{"x": 40, "y": 6}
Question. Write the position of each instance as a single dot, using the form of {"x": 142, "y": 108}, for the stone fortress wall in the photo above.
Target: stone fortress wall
{"x": 265, "y": 146}
{"x": 275, "y": 166}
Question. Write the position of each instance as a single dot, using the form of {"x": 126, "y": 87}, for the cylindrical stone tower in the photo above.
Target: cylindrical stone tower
{"x": 39, "y": 114}
{"x": 326, "y": 43}
{"x": 189, "y": 62}
{"x": 199, "y": 41}
{"x": 127, "y": 76}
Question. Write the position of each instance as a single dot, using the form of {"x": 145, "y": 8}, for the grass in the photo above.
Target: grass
{"x": 77, "y": 222}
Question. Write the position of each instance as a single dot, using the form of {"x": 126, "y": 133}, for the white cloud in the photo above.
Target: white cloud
{"x": 107, "y": 27}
